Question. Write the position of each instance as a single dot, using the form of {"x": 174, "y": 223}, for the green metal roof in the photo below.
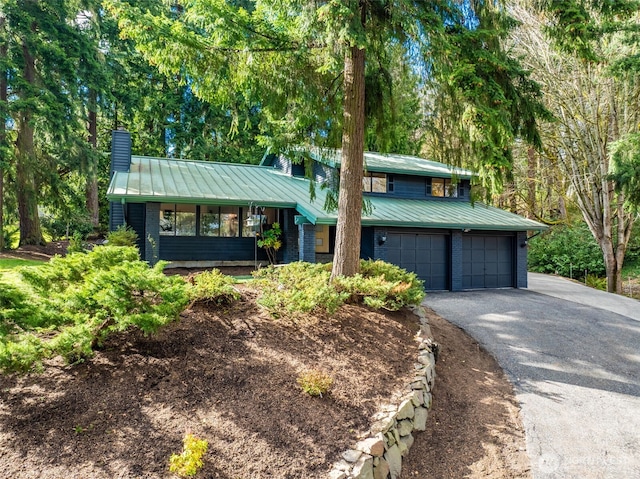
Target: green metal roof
{"x": 446, "y": 214}
{"x": 201, "y": 182}
{"x": 394, "y": 164}
{"x": 197, "y": 182}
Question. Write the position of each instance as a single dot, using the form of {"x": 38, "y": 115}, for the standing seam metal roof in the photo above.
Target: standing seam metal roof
{"x": 390, "y": 163}
{"x": 197, "y": 182}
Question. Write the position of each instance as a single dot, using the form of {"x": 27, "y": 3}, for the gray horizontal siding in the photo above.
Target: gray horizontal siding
{"x": 415, "y": 187}
{"x": 408, "y": 187}
{"x": 200, "y": 248}
{"x": 135, "y": 219}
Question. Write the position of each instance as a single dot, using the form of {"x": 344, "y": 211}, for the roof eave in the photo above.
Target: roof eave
{"x": 198, "y": 201}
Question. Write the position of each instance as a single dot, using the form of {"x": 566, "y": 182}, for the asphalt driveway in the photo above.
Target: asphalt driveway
{"x": 573, "y": 355}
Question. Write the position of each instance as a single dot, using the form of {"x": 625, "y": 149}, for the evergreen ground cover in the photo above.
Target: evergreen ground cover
{"x": 69, "y": 306}
{"x": 8, "y": 264}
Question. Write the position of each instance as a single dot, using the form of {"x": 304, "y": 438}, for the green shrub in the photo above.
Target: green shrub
{"x": 213, "y": 286}
{"x": 59, "y": 273}
{"x": 122, "y": 236}
{"x": 190, "y": 460}
{"x": 298, "y": 288}
{"x": 79, "y": 300}
{"x": 304, "y": 287}
{"x": 567, "y": 250}
{"x": 76, "y": 244}
{"x": 596, "y": 282}
{"x": 388, "y": 285}
{"x": 59, "y": 226}
{"x": 315, "y": 382}
{"x": 18, "y": 312}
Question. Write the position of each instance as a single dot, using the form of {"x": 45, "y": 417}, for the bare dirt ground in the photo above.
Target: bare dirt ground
{"x": 474, "y": 428}
{"x": 229, "y": 375}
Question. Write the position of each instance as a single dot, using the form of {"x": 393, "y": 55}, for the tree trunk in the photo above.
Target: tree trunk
{"x": 92, "y": 167}
{"x": 346, "y": 260}
{"x": 3, "y": 127}
{"x": 625, "y": 225}
{"x": 25, "y": 180}
{"x": 26, "y": 189}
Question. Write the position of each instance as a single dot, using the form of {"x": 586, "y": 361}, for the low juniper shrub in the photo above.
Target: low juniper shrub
{"x": 305, "y": 287}
{"x": 70, "y": 305}
{"x": 213, "y": 287}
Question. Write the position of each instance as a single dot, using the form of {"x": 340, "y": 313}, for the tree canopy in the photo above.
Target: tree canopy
{"x": 305, "y": 67}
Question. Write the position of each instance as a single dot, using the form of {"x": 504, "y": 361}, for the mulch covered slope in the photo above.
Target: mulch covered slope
{"x": 226, "y": 374}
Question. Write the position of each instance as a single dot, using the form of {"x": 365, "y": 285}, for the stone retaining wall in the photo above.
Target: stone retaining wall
{"x": 379, "y": 455}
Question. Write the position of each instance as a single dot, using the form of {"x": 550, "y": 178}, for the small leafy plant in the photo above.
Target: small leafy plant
{"x": 190, "y": 460}
{"x": 270, "y": 241}
{"x": 315, "y": 382}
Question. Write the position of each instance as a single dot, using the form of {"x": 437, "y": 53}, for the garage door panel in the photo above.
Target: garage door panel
{"x": 487, "y": 261}
{"x": 439, "y": 269}
{"x": 491, "y": 268}
{"x": 423, "y": 242}
{"x": 490, "y": 256}
{"x": 491, "y": 281}
{"x": 408, "y": 241}
{"x": 408, "y": 256}
{"x": 425, "y": 254}
{"x": 394, "y": 242}
{"x": 393, "y": 256}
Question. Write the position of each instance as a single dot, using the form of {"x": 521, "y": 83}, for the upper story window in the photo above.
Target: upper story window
{"x": 374, "y": 183}
{"x": 442, "y": 188}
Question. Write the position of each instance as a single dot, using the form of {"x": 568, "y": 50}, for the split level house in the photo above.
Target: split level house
{"x": 420, "y": 215}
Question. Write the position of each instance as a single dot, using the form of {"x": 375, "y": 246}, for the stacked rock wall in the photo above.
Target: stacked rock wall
{"x": 379, "y": 455}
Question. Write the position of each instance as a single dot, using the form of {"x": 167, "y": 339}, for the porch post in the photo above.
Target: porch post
{"x": 307, "y": 242}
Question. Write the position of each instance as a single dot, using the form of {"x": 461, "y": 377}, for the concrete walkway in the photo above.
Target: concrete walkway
{"x": 573, "y": 355}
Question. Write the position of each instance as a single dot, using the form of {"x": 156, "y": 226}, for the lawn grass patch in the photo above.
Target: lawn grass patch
{"x": 8, "y": 264}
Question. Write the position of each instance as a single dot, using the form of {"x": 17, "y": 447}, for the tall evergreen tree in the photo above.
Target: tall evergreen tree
{"x": 4, "y": 149}
{"x": 43, "y": 46}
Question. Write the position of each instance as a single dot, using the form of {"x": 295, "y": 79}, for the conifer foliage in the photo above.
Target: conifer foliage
{"x": 70, "y": 305}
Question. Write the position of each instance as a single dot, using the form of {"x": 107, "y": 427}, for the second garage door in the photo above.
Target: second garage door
{"x": 487, "y": 262}
{"x": 425, "y": 254}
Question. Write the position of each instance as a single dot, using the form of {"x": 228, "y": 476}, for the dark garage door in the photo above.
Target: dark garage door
{"x": 425, "y": 254}
{"x": 487, "y": 262}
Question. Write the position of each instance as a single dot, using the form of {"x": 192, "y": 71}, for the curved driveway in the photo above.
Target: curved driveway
{"x": 573, "y": 356}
